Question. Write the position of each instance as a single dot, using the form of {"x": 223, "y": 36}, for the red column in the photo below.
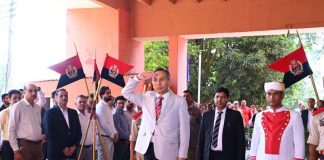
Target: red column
{"x": 130, "y": 51}
{"x": 178, "y": 63}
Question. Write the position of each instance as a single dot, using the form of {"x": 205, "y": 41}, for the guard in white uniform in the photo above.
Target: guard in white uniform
{"x": 278, "y": 133}
{"x": 316, "y": 135}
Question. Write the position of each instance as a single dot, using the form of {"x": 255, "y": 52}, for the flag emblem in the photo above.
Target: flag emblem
{"x": 296, "y": 67}
{"x": 113, "y": 71}
{"x": 71, "y": 71}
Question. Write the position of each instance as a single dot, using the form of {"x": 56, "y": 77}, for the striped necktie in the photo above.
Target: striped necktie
{"x": 216, "y": 130}
{"x": 158, "y": 107}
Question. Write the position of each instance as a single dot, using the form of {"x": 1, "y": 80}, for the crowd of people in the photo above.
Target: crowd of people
{"x": 155, "y": 125}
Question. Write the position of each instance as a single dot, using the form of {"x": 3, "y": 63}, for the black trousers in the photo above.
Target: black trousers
{"x": 149, "y": 155}
{"x": 121, "y": 150}
{"x": 216, "y": 155}
{"x": 6, "y": 151}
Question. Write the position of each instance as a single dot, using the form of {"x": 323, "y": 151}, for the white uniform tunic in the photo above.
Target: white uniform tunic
{"x": 278, "y": 136}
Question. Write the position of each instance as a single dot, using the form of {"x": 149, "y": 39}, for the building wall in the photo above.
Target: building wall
{"x": 188, "y": 17}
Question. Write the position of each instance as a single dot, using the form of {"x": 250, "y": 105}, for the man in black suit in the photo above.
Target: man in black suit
{"x": 62, "y": 129}
{"x": 221, "y": 135}
{"x": 307, "y": 113}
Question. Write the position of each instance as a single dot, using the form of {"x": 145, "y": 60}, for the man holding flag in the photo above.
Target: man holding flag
{"x": 278, "y": 133}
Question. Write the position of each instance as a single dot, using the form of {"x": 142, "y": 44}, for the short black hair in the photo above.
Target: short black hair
{"x": 90, "y": 95}
{"x": 13, "y": 91}
{"x": 187, "y": 91}
{"x": 59, "y": 90}
{"x": 119, "y": 98}
{"x": 103, "y": 90}
{"x": 53, "y": 94}
{"x": 311, "y": 99}
{"x": 3, "y": 96}
{"x": 81, "y": 96}
{"x": 224, "y": 90}
{"x": 163, "y": 70}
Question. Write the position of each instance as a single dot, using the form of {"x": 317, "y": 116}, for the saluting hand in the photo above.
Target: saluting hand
{"x": 145, "y": 76}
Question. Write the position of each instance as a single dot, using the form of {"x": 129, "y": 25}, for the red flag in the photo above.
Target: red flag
{"x": 71, "y": 70}
{"x": 295, "y": 66}
{"x": 114, "y": 70}
{"x": 96, "y": 73}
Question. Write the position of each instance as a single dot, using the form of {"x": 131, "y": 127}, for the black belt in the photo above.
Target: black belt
{"x": 29, "y": 141}
{"x": 124, "y": 140}
{"x": 105, "y": 136}
{"x": 86, "y": 146}
{"x": 217, "y": 152}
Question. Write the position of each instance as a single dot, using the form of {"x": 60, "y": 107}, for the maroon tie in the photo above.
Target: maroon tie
{"x": 158, "y": 107}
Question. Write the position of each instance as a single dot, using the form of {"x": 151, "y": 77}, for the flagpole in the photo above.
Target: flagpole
{"x": 95, "y": 128}
{"x": 99, "y": 85}
{"x": 311, "y": 76}
{"x": 314, "y": 87}
{"x": 92, "y": 110}
{"x": 300, "y": 42}
{"x": 86, "y": 84}
{"x": 75, "y": 48}
{"x": 95, "y": 61}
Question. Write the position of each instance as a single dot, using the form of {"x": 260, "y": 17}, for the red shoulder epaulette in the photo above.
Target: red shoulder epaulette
{"x": 318, "y": 111}
{"x": 137, "y": 115}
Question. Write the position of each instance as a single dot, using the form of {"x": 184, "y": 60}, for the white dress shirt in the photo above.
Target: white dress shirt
{"x": 220, "y": 132}
{"x": 84, "y": 118}
{"x": 24, "y": 122}
{"x": 105, "y": 119}
{"x": 310, "y": 118}
{"x": 66, "y": 115}
{"x": 165, "y": 98}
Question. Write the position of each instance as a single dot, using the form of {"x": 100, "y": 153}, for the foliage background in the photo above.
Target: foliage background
{"x": 240, "y": 64}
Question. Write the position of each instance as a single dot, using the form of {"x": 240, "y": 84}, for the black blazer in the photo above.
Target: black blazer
{"x": 233, "y": 136}
{"x": 304, "y": 115}
{"x": 58, "y": 134}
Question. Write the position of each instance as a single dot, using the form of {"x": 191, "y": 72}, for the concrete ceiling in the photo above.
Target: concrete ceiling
{"x": 74, "y": 4}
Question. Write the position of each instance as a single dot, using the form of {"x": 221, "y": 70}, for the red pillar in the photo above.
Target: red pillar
{"x": 130, "y": 51}
{"x": 178, "y": 63}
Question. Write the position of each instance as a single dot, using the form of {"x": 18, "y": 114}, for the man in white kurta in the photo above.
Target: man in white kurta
{"x": 278, "y": 133}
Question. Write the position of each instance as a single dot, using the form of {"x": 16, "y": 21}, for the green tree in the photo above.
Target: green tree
{"x": 240, "y": 64}
{"x": 156, "y": 55}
